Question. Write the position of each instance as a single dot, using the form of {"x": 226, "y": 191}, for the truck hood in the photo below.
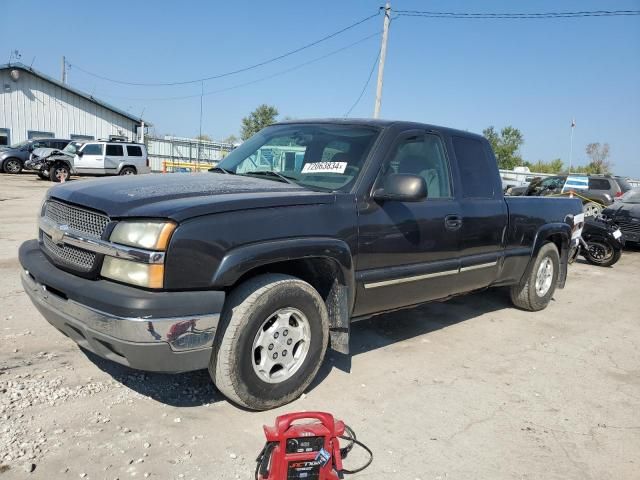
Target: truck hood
{"x": 180, "y": 196}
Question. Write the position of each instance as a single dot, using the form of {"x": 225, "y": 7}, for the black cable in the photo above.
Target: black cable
{"x": 251, "y": 82}
{"x": 352, "y": 438}
{"x": 233, "y": 72}
{"x": 366, "y": 84}
{"x": 526, "y": 16}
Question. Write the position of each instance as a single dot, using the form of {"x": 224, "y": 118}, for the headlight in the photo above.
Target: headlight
{"x": 143, "y": 234}
{"x": 140, "y": 274}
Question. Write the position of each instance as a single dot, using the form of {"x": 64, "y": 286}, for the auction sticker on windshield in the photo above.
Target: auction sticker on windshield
{"x": 325, "y": 167}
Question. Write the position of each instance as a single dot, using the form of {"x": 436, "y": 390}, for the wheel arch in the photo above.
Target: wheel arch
{"x": 122, "y": 166}
{"x": 560, "y": 235}
{"x": 324, "y": 263}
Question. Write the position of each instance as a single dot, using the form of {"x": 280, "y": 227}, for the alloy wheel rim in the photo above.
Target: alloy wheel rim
{"x": 13, "y": 166}
{"x": 544, "y": 277}
{"x": 61, "y": 174}
{"x": 281, "y": 345}
{"x": 599, "y": 251}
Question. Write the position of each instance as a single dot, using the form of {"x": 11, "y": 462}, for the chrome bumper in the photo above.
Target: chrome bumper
{"x": 179, "y": 333}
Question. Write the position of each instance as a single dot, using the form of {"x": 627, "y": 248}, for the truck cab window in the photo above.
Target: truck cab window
{"x": 475, "y": 168}
{"x": 423, "y": 155}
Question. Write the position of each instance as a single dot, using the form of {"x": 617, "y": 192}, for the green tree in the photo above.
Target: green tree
{"x": 506, "y": 145}
{"x": 554, "y": 166}
{"x": 261, "y": 117}
{"x": 231, "y": 139}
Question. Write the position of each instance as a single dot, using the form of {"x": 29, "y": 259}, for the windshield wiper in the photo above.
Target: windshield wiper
{"x": 277, "y": 176}
{"x": 220, "y": 169}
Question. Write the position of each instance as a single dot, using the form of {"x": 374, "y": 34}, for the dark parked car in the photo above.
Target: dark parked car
{"x": 252, "y": 270}
{"x": 602, "y": 191}
{"x": 626, "y": 214}
{"x": 13, "y": 158}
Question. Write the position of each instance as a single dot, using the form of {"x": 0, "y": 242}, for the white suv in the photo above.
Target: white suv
{"x": 109, "y": 158}
{"x": 99, "y": 157}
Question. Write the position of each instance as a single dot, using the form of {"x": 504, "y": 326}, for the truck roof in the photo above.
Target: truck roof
{"x": 380, "y": 123}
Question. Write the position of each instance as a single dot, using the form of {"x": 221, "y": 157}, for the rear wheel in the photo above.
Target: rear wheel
{"x": 128, "y": 171}
{"x": 271, "y": 341}
{"x": 541, "y": 283}
{"x": 59, "y": 173}
{"x": 12, "y": 165}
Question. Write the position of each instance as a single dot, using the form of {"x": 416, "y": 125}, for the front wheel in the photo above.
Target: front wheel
{"x": 59, "y": 173}
{"x": 541, "y": 283}
{"x": 12, "y": 165}
{"x": 272, "y": 338}
{"x": 602, "y": 254}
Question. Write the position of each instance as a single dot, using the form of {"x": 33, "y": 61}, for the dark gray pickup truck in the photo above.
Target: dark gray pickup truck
{"x": 256, "y": 267}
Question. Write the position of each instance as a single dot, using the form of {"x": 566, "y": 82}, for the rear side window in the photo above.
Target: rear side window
{"x": 115, "y": 150}
{"x": 134, "y": 151}
{"x": 598, "y": 184}
{"x": 92, "y": 149}
{"x": 475, "y": 168}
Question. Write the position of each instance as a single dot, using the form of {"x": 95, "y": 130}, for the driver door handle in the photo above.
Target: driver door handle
{"x": 453, "y": 222}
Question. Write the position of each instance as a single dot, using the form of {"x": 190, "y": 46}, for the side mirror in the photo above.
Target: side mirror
{"x": 402, "y": 187}
{"x": 79, "y": 153}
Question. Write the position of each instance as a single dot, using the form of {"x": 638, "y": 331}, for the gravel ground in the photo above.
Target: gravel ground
{"x": 470, "y": 388}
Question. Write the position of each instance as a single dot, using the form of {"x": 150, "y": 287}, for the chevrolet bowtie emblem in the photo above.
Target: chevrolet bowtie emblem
{"x": 58, "y": 234}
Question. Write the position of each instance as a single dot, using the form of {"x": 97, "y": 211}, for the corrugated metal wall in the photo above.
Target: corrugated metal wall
{"x": 32, "y": 103}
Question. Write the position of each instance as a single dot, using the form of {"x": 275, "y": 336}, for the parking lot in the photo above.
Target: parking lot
{"x": 469, "y": 388}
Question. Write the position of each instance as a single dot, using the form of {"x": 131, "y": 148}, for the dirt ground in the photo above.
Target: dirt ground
{"x": 467, "y": 389}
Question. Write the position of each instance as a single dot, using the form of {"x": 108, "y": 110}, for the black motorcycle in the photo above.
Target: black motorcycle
{"x": 601, "y": 242}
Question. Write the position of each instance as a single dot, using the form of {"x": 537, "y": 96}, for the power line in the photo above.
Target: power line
{"x": 516, "y": 16}
{"x": 261, "y": 79}
{"x": 366, "y": 84}
{"x": 233, "y": 72}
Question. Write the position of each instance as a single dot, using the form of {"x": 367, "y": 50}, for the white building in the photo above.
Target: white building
{"x": 34, "y": 105}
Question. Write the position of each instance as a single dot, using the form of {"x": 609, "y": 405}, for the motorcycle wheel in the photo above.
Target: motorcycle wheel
{"x": 601, "y": 254}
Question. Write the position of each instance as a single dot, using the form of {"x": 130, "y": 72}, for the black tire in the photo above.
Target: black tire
{"x": 591, "y": 209}
{"x": 128, "y": 171}
{"x": 526, "y": 296}
{"x": 59, "y": 171}
{"x": 601, "y": 254}
{"x": 247, "y": 309}
{"x": 12, "y": 165}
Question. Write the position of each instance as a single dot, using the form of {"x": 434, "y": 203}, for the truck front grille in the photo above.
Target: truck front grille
{"x": 68, "y": 255}
{"x": 627, "y": 226}
{"x": 89, "y": 223}
{"x": 84, "y": 221}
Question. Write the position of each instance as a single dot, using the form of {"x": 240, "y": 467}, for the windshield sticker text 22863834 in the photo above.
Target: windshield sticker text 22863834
{"x": 325, "y": 167}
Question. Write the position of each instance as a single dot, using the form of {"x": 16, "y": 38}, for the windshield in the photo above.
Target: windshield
{"x": 632, "y": 196}
{"x": 318, "y": 156}
{"x": 72, "y": 148}
{"x": 20, "y": 145}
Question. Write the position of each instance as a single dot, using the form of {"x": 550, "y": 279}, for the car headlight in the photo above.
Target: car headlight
{"x": 135, "y": 273}
{"x": 149, "y": 235}
{"x": 143, "y": 234}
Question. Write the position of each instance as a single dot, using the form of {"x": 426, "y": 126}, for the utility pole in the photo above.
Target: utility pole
{"x": 200, "y": 135}
{"x": 573, "y": 127}
{"x": 64, "y": 69}
{"x": 383, "y": 56}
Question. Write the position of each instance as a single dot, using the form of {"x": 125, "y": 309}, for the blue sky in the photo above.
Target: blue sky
{"x": 533, "y": 74}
